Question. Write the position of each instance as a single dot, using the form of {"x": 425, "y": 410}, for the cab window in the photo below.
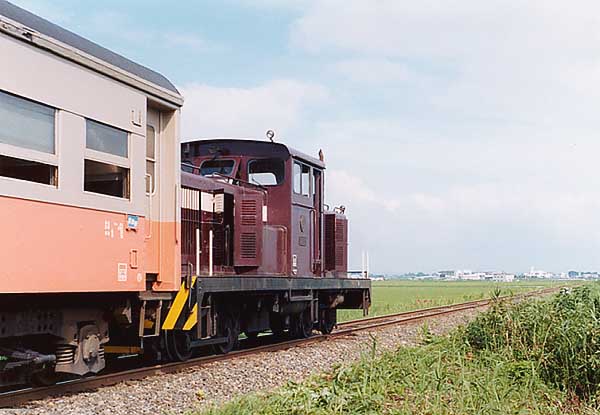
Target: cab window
{"x": 301, "y": 179}
{"x": 266, "y": 172}
{"x": 222, "y": 167}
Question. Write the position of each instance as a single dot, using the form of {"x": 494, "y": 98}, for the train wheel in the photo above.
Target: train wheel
{"x": 302, "y": 325}
{"x": 251, "y": 335}
{"x": 277, "y": 325}
{"x": 328, "y": 320}
{"x": 179, "y": 345}
{"x": 45, "y": 377}
{"x": 230, "y": 328}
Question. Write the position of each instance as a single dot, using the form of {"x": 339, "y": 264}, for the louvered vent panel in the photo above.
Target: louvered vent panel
{"x": 336, "y": 243}
{"x": 340, "y": 231}
{"x": 339, "y": 256}
{"x": 329, "y": 242}
{"x": 248, "y": 245}
{"x": 248, "y": 212}
{"x": 219, "y": 245}
{"x": 190, "y": 221}
{"x": 248, "y": 230}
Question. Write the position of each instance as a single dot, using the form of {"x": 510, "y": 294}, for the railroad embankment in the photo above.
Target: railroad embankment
{"x": 540, "y": 356}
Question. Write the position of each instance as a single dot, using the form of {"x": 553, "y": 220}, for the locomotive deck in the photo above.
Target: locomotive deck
{"x": 261, "y": 283}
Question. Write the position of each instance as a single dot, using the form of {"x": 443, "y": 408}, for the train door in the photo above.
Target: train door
{"x": 317, "y": 191}
{"x": 152, "y": 194}
{"x": 163, "y": 203}
{"x": 303, "y": 223}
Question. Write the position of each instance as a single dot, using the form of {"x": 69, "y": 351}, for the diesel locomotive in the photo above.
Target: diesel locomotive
{"x": 118, "y": 239}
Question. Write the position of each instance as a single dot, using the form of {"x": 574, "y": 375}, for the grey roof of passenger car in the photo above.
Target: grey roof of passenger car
{"x": 56, "y": 32}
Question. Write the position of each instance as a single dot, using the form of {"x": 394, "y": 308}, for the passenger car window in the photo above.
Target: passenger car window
{"x": 106, "y": 179}
{"x": 29, "y": 170}
{"x": 266, "y": 172}
{"x": 106, "y": 139}
{"x": 26, "y": 124}
{"x": 106, "y": 168}
{"x": 28, "y": 128}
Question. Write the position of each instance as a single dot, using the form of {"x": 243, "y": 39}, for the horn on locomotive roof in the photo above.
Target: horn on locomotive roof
{"x": 271, "y": 135}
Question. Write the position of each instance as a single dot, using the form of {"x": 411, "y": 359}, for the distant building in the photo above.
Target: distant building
{"x": 536, "y": 273}
{"x": 502, "y": 277}
{"x": 451, "y": 275}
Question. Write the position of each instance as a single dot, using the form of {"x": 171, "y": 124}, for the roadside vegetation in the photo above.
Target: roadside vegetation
{"x": 536, "y": 357}
{"x": 394, "y": 296}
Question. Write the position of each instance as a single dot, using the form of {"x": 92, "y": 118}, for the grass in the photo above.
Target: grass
{"x": 537, "y": 357}
{"x": 405, "y": 295}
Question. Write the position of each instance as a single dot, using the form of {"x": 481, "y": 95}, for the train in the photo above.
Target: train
{"x": 119, "y": 238}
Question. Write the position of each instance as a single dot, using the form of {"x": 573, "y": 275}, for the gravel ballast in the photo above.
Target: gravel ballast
{"x": 218, "y": 382}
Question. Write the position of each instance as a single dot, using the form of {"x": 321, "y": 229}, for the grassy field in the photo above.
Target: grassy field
{"x": 404, "y": 295}
{"x": 537, "y": 357}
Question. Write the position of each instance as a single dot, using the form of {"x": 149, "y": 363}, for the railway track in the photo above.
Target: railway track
{"x": 19, "y": 397}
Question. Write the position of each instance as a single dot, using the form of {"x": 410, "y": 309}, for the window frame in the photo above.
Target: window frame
{"x": 108, "y": 158}
{"x": 282, "y": 161}
{"x": 233, "y": 167}
{"x": 104, "y": 125}
{"x": 24, "y": 153}
{"x": 154, "y": 161}
{"x": 310, "y": 192}
{"x": 126, "y": 198}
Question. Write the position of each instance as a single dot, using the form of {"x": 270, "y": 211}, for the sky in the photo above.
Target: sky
{"x": 459, "y": 134}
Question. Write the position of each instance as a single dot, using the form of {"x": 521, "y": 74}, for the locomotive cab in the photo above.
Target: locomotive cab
{"x": 280, "y": 202}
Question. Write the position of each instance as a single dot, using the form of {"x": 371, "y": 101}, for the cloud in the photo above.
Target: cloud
{"x": 490, "y": 199}
{"x": 534, "y": 60}
{"x": 248, "y": 112}
{"x": 446, "y": 29}
{"x": 374, "y": 71}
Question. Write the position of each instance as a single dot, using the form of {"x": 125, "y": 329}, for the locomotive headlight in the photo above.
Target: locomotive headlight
{"x": 271, "y": 135}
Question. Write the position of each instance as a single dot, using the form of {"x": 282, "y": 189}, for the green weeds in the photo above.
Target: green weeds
{"x": 401, "y": 295}
{"x": 559, "y": 338}
{"x": 536, "y": 357}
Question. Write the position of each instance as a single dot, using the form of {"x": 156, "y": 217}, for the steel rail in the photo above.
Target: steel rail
{"x": 16, "y": 398}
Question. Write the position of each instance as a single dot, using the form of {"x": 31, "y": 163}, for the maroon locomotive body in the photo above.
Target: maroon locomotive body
{"x": 260, "y": 251}
{"x": 264, "y": 204}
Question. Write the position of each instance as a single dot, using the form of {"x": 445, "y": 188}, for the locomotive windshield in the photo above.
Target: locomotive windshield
{"x": 266, "y": 172}
{"x": 224, "y": 167}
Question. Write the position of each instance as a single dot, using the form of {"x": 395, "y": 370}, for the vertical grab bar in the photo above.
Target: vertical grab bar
{"x": 210, "y": 253}
{"x": 197, "y": 251}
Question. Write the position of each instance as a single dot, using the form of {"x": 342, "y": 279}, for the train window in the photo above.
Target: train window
{"x": 106, "y": 139}
{"x": 266, "y": 172}
{"x": 31, "y": 171}
{"x": 150, "y": 159}
{"x": 224, "y": 167}
{"x": 106, "y": 179}
{"x": 301, "y": 179}
{"x": 26, "y": 124}
{"x": 297, "y": 178}
{"x": 305, "y": 180}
